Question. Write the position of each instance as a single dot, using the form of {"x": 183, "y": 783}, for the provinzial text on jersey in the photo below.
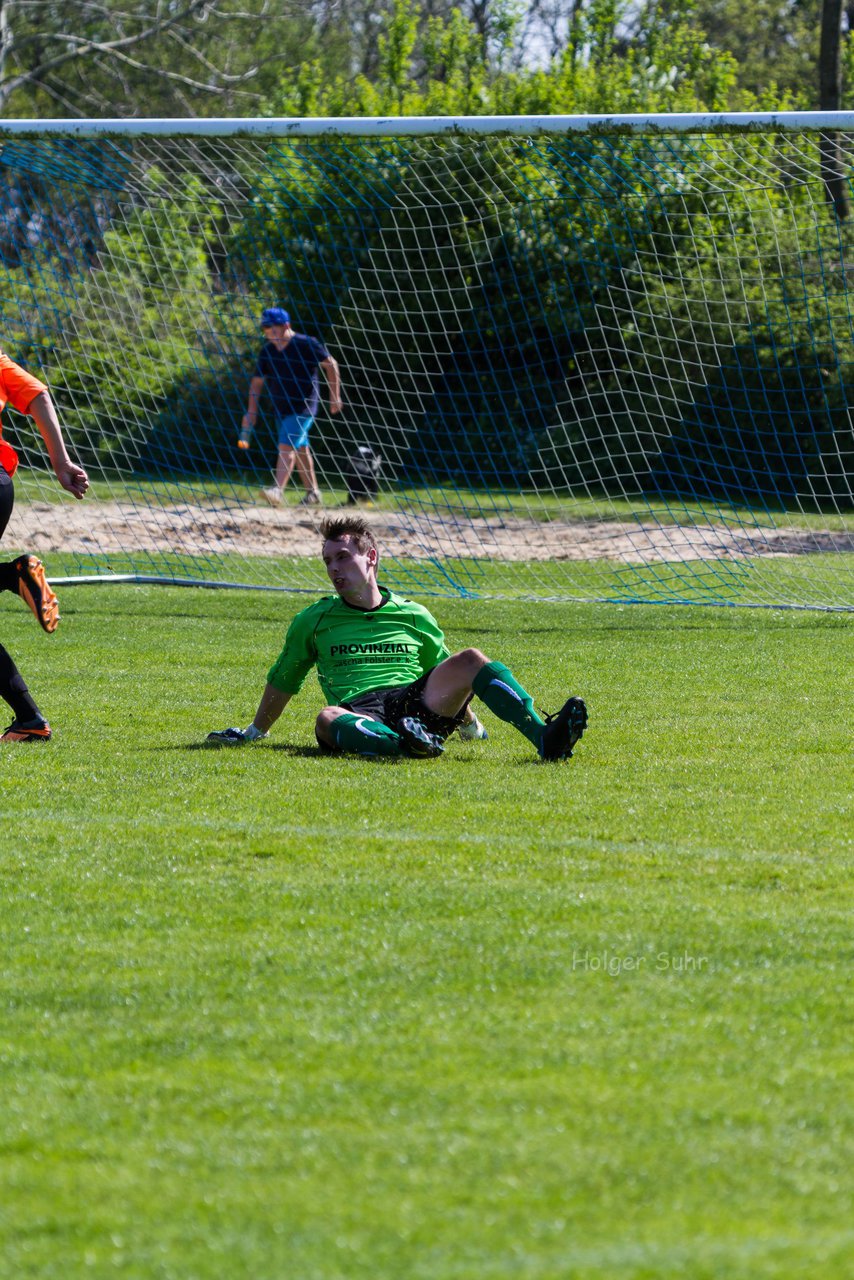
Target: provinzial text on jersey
{"x": 372, "y": 648}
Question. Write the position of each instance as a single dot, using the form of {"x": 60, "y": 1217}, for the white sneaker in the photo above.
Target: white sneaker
{"x": 472, "y": 732}
{"x": 272, "y": 496}
{"x": 311, "y": 498}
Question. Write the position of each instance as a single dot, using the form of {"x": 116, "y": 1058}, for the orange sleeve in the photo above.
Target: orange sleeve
{"x": 19, "y": 388}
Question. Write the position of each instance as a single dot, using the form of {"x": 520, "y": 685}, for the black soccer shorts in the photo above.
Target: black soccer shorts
{"x": 391, "y": 705}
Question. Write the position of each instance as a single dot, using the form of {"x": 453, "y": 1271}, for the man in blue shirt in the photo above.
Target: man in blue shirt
{"x": 288, "y": 366}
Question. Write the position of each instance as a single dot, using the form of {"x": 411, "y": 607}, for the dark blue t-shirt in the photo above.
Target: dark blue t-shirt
{"x": 291, "y": 375}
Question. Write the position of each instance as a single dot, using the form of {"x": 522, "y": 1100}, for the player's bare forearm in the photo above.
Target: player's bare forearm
{"x": 68, "y": 473}
{"x": 256, "y": 386}
{"x": 333, "y": 378}
{"x": 272, "y": 704}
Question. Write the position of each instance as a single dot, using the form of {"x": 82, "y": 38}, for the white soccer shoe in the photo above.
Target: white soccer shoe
{"x": 272, "y": 496}
{"x": 472, "y": 732}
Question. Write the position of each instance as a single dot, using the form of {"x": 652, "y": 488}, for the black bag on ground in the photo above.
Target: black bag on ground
{"x": 362, "y": 474}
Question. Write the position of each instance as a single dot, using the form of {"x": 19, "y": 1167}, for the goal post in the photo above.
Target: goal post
{"x": 600, "y": 358}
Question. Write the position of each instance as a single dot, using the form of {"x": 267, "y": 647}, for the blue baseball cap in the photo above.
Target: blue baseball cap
{"x": 274, "y": 315}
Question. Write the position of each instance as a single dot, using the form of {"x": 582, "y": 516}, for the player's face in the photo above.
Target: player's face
{"x": 350, "y": 570}
{"x": 275, "y": 333}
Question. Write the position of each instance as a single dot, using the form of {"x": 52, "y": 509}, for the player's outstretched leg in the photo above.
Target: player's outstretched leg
{"x": 554, "y": 738}
{"x": 366, "y": 737}
{"x": 498, "y": 689}
{"x": 29, "y": 724}
{"x": 347, "y": 731}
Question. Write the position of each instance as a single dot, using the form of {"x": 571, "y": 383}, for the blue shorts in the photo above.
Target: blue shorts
{"x": 293, "y": 430}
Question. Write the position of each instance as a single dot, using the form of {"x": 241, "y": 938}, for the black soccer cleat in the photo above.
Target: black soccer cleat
{"x": 562, "y": 731}
{"x": 416, "y": 741}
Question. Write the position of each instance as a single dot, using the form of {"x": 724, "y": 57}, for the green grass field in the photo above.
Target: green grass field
{"x": 275, "y": 1016}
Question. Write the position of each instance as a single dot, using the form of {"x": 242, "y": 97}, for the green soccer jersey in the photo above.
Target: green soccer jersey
{"x": 356, "y": 650}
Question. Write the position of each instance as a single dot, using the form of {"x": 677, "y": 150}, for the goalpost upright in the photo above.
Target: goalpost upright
{"x": 600, "y": 357}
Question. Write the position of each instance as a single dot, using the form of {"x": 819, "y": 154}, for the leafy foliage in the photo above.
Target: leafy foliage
{"x": 421, "y": 262}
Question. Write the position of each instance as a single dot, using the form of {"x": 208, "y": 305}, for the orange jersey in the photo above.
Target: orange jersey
{"x": 19, "y": 389}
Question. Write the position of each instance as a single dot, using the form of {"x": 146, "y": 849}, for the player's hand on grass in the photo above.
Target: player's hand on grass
{"x": 227, "y": 737}
{"x": 236, "y": 737}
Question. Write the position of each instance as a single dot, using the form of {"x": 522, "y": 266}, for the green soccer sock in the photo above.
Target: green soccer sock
{"x": 367, "y": 737}
{"x": 498, "y": 688}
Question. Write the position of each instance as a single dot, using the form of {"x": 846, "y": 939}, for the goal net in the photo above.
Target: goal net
{"x": 605, "y": 359}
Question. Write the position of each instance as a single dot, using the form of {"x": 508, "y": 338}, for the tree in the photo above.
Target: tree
{"x": 774, "y": 43}
{"x": 449, "y": 66}
{"x": 70, "y": 58}
{"x": 830, "y": 92}
{"x": 446, "y": 237}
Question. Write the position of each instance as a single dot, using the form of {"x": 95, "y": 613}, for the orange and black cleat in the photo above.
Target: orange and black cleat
{"x": 32, "y": 731}
{"x": 35, "y": 590}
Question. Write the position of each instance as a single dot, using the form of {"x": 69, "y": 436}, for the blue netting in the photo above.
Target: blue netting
{"x": 594, "y": 366}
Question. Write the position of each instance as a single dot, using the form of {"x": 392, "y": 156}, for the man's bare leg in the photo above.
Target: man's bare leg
{"x": 449, "y": 686}
{"x": 454, "y": 681}
{"x": 285, "y": 464}
{"x": 305, "y": 467}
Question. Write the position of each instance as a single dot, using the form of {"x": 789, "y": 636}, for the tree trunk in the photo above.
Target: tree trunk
{"x": 829, "y": 94}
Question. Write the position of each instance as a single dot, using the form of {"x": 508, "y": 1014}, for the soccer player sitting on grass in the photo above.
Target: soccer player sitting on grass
{"x": 392, "y": 686}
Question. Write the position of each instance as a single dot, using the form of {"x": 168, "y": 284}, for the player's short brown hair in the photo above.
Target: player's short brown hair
{"x": 335, "y": 527}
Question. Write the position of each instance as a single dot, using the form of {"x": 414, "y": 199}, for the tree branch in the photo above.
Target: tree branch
{"x": 83, "y": 48}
